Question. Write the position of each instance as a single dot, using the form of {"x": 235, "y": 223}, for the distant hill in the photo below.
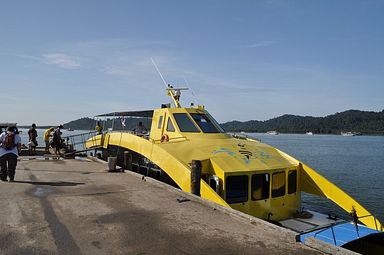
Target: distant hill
{"x": 81, "y": 124}
{"x": 352, "y": 120}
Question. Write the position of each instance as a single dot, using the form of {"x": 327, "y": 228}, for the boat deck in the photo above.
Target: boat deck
{"x": 333, "y": 231}
{"x": 305, "y": 224}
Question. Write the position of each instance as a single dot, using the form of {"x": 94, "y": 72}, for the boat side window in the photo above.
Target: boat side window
{"x": 292, "y": 181}
{"x": 185, "y": 123}
{"x": 160, "y": 122}
{"x": 170, "y": 127}
{"x": 278, "y": 184}
{"x": 204, "y": 123}
{"x": 260, "y": 186}
{"x": 237, "y": 189}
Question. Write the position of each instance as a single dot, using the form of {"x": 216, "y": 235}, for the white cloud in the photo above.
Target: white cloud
{"x": 119, "y": 71}
{"x": 62, "y": 60}
{"x": 28, "y": 57}
{"x": 260, "y": 44}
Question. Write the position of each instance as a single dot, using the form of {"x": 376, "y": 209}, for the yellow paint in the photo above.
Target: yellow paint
{"x": 94, "y": 141}
{"x": 178, "y": 170}
{"x": 223, "y": 155}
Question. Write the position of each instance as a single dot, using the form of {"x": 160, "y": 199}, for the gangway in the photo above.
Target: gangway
{"x": 75, "y": 144}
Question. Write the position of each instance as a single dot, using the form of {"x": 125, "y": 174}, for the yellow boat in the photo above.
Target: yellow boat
{"x": 237, "y": 171}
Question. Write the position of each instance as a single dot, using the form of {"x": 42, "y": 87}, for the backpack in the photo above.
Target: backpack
{"x": 9, "y": 141}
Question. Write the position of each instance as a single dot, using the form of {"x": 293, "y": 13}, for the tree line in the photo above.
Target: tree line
{"x": 365, "y": 122}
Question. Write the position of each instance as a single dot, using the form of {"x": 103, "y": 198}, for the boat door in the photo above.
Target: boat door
{"x": 277, "y": 195}
{"x": 168, "y": 128}
{"x": 159, "y": 129}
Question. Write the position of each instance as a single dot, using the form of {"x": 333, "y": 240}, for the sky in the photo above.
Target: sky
{"x": 243, "y": 60}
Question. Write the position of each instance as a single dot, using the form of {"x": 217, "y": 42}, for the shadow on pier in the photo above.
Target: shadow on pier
{"x": 57, "y": 184}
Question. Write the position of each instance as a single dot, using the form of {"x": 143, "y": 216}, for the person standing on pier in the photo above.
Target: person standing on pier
{"x": 56, "y": 140}
{"x": 47, "y": 135}
{"x": 9, "y": 151}
{"x": 32, "y": 133}
{"x": 99, "y": 128}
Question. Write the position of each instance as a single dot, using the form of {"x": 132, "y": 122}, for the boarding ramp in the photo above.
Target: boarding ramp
{"x": 75, "y": 144}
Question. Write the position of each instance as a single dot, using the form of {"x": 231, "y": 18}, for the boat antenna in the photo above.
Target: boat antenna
{"x": 193, "y": 94}
{"x": 158, "y": 71}
{"x": 174, "y": 93}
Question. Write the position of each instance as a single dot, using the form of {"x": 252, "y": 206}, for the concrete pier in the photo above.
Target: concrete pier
{"x": 74, "y": 206}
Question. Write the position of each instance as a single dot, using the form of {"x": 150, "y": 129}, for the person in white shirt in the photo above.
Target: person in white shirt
{"x": 9, "y": 151}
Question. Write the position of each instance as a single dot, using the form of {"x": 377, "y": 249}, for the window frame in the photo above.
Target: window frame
{"x": 290, "y": 188}
{"x": 236, "y": 199}
{"x": 281, "y": 191}
{"x": 172, "y": 125}
{"x": 160, "y": 123}
{"x": 265, "y": 186}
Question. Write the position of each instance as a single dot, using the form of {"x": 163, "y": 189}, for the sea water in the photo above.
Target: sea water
{"x": 65, "y": 133}
{"x": 354, "y": 163}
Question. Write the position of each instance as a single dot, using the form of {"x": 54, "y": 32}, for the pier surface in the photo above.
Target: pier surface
{"x": 74, "y": 206}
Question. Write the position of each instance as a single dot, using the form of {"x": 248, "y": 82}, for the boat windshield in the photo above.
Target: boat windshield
{"x": 216, "y": 123}
{"x": 207, "y": 123}
{"x": 185, "y": 123}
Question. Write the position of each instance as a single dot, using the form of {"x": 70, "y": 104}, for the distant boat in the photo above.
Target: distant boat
{"x": 350, "y": 133}
{"x": 273, "y": 132}
{"x": 70, "y": 129}
{"x": 309, "y": 133}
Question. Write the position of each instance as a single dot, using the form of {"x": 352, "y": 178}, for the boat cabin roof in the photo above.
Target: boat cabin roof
{"x": 144, "y": 114}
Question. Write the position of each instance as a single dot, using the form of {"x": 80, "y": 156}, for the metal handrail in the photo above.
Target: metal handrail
{"x": 374, "y": 218}
{"x": 79, "y": 139}
{"x": 322, "y": 229}
{"x": 331, "y": 226}
{"x": 333, "y": 232}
